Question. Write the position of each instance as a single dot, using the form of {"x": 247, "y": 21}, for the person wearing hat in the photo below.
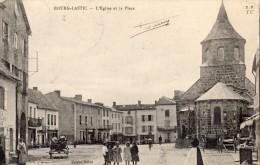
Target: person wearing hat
{"x": 194, "y": 155}
{"x": 21, "y": 148}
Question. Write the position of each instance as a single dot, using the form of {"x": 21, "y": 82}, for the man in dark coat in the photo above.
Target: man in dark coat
{"x": 160, "y": 140}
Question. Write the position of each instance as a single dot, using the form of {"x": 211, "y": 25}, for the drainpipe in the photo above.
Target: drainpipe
{"x": 17, "y": 117}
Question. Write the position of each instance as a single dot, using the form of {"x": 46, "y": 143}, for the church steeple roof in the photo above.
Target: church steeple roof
{"x": 222, "y": 28}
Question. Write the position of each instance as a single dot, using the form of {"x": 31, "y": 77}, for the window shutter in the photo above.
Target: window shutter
{"x": 5, "y": 98}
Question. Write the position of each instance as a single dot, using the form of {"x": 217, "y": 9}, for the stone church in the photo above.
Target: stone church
{"x": 217, "y": 102}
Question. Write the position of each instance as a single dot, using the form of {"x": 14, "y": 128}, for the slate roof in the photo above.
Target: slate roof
{"x": 8, "y": 74}
{"x": 80, "y": 102}
{"x": 222, "y": 28}
{"x": 220, "y": 92}
{"x": 194, "y": 91}
{"x": 135, "y": 107}
{"x": 165, "y": 101}
{"x": 36, "y": 97}
{"x": 115, "y": 110}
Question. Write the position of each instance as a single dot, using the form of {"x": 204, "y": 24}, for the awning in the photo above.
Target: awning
{"x": 249, "y": 121}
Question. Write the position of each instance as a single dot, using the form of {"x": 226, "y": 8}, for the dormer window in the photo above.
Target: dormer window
{"x": 236, "y": 53}
{"x": 221, "y": 54}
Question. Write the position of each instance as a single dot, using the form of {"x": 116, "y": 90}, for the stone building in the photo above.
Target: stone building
{"x": 116, "y": 122}
{"x": 223, "y": 60}
{"x": 166, "y": 120}
{"x": 78, "y": 119}
{"x": 14, "y": 73}
{"x": 139, "y": 121}
{"x": 104, "y": 123}
{"x": 219, "y": 112}
{"x": 256, "y": 71}
{"x": 43, "y": 118}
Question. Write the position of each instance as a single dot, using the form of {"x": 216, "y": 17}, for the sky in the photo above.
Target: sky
{"x": 91, "y": 52}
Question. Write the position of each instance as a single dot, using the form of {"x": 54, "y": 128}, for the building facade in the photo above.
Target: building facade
{"x": 139, "y": 121}
{"x": 223, "y": 61}
{"x": 166, "y": 120}
{"x": 116, "y": 122}
{"x": 14, "y": 64}
{"x": 80, "y": 121}
{"x": 43, "y": 118}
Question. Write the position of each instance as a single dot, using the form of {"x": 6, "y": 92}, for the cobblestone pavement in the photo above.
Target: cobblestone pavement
{"x": 165, "y": 154}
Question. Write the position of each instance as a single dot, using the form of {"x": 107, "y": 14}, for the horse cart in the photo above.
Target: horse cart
{"x": 59, "y": 146}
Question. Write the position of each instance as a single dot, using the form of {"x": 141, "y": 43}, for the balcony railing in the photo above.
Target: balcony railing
{"x": 161, "y": 128}
{"x": 33, "y": 122}
{"x": 106, "y": 127}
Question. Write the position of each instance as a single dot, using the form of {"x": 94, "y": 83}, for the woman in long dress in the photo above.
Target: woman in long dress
{"x": 110, "y": 155}
{"x": 134, "y": 153}
{"x": 127, "y": 154}
{"x": 21, "y": 147}
{"x": 194, "y": 155}
{"x": 117, "y": 154}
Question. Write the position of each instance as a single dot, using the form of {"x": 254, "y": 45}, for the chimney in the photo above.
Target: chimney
{"x": 35, "y": 88}
{"x": 114, "y": 104}
{"x": 78, "y": 97}
{"x": 139, "y": 102}
{"x": 89, "y": 100}
{"x": 57, "y": 92}
{"x": 155, "y": 102}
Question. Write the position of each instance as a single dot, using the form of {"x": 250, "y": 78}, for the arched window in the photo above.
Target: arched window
{"x": 207, "y": 53}
{"x": 236, "y": 53}
{"x": 217, "y": 116}
{"x": 221, "y": 54}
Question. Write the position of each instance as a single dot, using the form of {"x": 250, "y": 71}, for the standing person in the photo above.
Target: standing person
{"x": 203, "y": 143}
{"x": 110, "y": 155}
{"x": 21, "y": 148}
{"x": 160, "y": 140}
{"x": 105, "y": 153}
{"x": 235, "y": 144}
{"x": 127, "y": 154}
{"x": 220, "y": 144}
{"x": 194, "y": 155}
{"x": 117, "y": 154}
{"x": 2, "y": 155}
{"x": 134, "y": 153}
{"x": 150, "y": 144}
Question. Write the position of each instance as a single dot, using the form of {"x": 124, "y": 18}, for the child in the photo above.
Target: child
{"x": 117, "y": 154}
{"x": 127, "y": 154}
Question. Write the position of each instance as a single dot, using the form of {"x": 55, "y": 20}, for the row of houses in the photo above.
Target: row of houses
{"x": 53, "y": 115}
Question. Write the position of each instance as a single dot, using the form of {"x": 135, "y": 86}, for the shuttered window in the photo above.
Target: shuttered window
{"x": 2, "y": 98}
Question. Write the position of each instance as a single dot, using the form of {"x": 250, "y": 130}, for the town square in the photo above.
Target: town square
{"x": 129, "y": 82}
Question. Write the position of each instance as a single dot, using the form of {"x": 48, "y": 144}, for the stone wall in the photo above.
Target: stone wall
{"x": 228, "y": 74}
{"x": 231, "y": 113}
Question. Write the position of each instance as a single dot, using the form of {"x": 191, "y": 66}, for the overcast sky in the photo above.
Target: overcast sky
{"x": 92, "y": 53}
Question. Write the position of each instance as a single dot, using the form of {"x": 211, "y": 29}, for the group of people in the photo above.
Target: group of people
{"x": 113, "y": 154}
